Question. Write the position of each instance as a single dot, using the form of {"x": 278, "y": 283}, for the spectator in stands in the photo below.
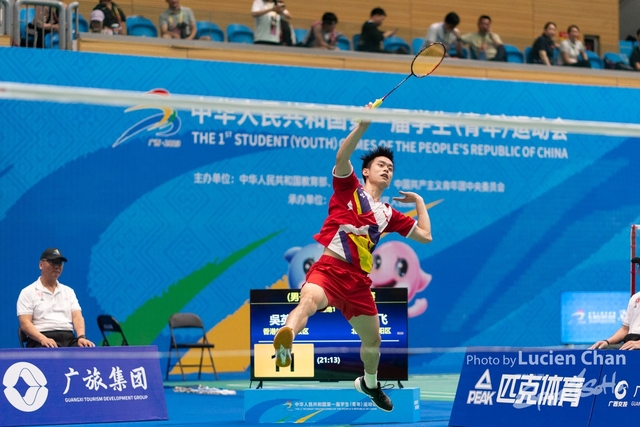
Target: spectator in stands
{"x": 271, "y": 25}
{"x": 371, "y": 37}
{"x": 48, "y": 311}
{"x": 572, "y": 51}
{"x": 45, "y": 21}
{"x": 96, "y": 22}
{"x": 114, "y": 17}
{"x": 634, "y": 59}
{"x": 484, "y": 44}
{"x": 178, "y": 22}
{"x": 445, "y": 33}
{"x": 543, "y": 48}
{"x": 323, "y": 34}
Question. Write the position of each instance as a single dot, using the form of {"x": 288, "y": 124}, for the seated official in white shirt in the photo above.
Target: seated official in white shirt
{"x": 49, "y": 311}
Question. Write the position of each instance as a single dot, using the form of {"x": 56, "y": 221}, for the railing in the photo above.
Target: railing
{"x": 62, "y": 20}
{"x": 71, "y": 29}
{"x": 6, "y": 17}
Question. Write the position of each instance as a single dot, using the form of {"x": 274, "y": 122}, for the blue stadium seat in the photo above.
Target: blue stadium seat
{"x": 393, "y": 43}
{"x": 356, "y": 41}
{"x": 301, "y": 34}
{"x": 513, "y": 54}
{"x": 25, "y": 19}
{"x": 595, "y": 60}
{"x": 614, "y": 58}
{"x": 51, "y": 42}
{"x": 527, "y": 55}
{"x": 210, "y": 29}
{"x": 83, "y": 25}
{"x": 238, "y": 33}
{"x": 141, "y": 26}
{"x": 343, "y": 43}
{"x": 465, "y": 52}
{"x": 416, "y": 44}
{"x": 626, "y": 47}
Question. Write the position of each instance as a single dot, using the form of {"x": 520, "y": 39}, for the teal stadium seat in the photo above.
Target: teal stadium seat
{"x": 513, "y": 54}
{"x": 51, "y": 42}
{"x": 626, "y": 47}
{"x": 416, "y": 44}
{"x": 614, "y": 58}
{"x": 141, "y": 27}
{"x": 301, "y": 34}
{"x": 238, "y": 33}
{"x": 210, "y": 29}
{"x": 343, "y": 43}
{"x": 356, "y": 41}
{"x": 465, "y": 52}
{"x": 527, "y": 55}
{"x": 393, "y": 43}
{"x": 26, "y": 16}
{"x": 83, "y": 25}
{"x": 595, "y": 60}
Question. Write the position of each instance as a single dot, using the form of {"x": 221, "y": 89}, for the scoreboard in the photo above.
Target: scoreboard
{"x": 328, "y": 349}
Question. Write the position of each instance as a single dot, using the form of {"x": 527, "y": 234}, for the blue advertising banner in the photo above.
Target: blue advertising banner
{"x": 81, "y": 385}
{"x": 161, "y": 211}
{"x": 591, "y": 316}
{"x": 546, "y": 387}
{"x": 619, "y": 402}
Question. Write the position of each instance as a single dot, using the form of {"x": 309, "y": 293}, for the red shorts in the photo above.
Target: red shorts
{"x": 346, "y": 286}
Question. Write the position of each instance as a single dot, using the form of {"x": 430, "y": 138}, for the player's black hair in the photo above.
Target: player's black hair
{"x": 548, "y": 24}
{"x": 368, "y": 158}
{"x": 484, "y": 17}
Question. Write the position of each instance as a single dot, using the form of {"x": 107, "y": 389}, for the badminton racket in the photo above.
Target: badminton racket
{"x": 423, "y": 64}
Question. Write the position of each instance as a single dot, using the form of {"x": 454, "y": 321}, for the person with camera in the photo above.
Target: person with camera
{"x": 114, "y": 19}
{"x": 271, "y": 26}
{"x": 178, "y": 22}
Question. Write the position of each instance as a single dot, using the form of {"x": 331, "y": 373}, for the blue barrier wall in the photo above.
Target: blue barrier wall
{"x": 190, "y": 216}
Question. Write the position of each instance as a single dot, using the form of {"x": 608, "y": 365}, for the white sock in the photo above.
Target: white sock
{"x": 371, "y": 380}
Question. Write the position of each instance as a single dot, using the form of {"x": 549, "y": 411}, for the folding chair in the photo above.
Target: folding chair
{"x": 22, "y": 337}
{"x": 108, "y": 325}
{"x": 188, "y": 321}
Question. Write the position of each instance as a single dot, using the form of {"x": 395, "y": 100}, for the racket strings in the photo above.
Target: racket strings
{"x": 428, "y": 60}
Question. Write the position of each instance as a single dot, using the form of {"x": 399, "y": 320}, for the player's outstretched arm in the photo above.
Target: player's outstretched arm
{"x": 422, "y": 233}
{"x": 343, "y": 165}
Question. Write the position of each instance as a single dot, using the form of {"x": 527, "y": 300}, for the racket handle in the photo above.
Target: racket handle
{"x": 376, "y": 104}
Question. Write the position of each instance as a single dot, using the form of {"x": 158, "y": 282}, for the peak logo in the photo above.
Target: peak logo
{"x": 482, "y": 394}
{"x": 36, "y": 394}
{"x": 166, "y": 123}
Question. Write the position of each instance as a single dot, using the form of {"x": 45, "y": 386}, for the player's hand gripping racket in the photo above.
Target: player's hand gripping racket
{"x": 424, "y": 63}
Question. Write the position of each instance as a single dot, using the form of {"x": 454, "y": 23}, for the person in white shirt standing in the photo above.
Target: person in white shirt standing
{"x": 49, "y": 311}
{"x": 446, "y": 33}
{"x": 269, "y": 16}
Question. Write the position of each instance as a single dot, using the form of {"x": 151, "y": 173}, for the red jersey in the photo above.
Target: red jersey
{"x": 356, "y": 221}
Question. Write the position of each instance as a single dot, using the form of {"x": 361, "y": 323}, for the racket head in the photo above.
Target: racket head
{"x": 428, "y": 59}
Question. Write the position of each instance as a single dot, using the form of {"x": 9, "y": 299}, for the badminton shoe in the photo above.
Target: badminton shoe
{"x": 376, "y": 395}
{"x": 282, "y": 343}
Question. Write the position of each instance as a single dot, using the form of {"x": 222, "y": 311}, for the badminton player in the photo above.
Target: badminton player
{"x": 340, "y": 278}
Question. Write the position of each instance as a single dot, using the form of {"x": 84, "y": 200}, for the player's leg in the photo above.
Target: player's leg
{"x": 312, "y": 299}
{"x": 368, "y": 329}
